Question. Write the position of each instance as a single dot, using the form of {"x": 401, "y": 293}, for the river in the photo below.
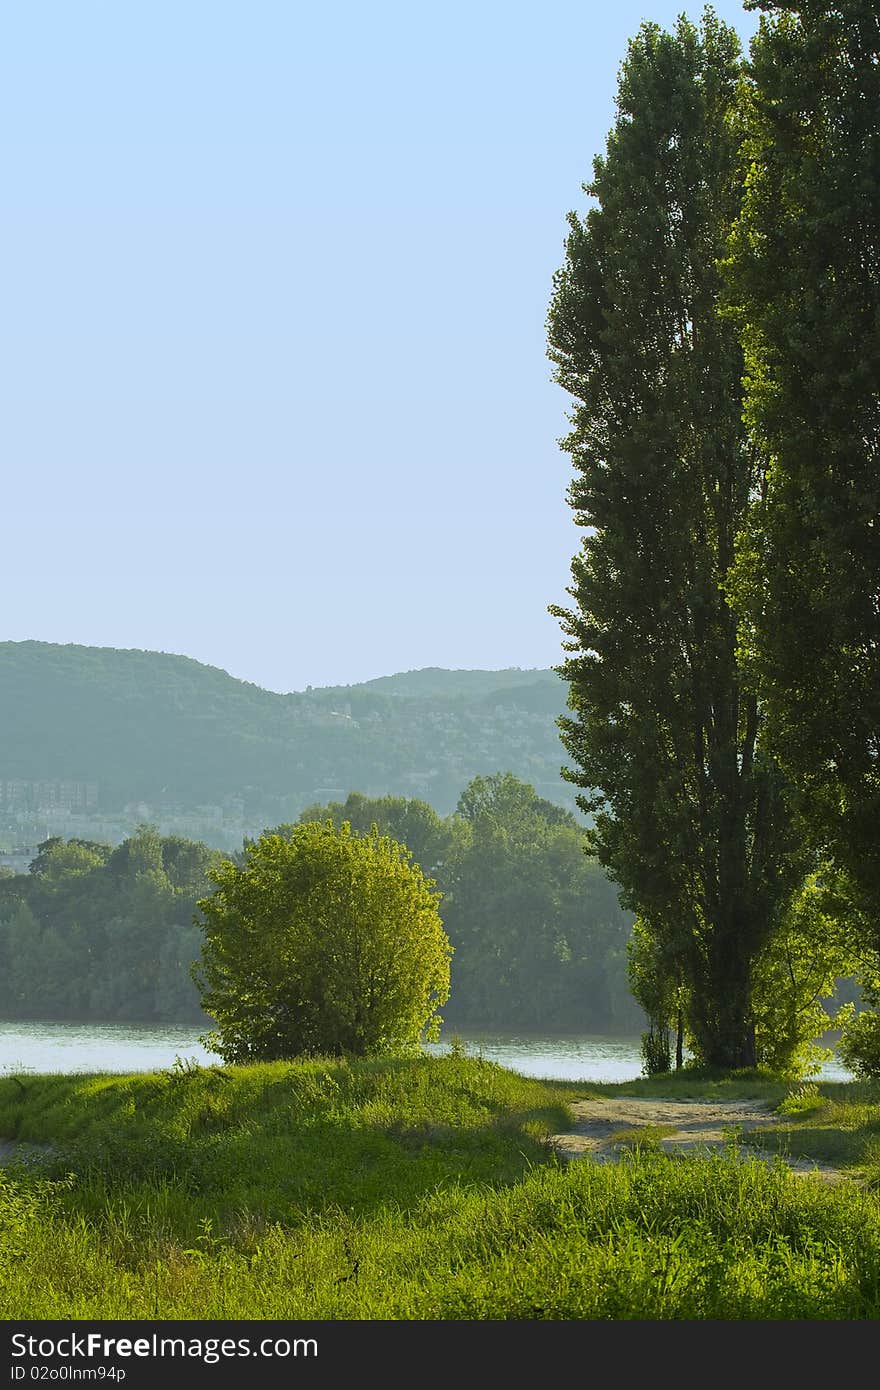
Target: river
{"x": 124, "y": 1047}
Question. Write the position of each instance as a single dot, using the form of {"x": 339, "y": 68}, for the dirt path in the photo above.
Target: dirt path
{"x": 606, "y": 1128}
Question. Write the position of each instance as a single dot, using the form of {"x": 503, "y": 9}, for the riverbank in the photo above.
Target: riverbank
{"x": 423, "y": 1189}
{"x": 36, "y": 1046}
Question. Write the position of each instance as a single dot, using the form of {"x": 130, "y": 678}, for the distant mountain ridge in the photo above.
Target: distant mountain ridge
{"x": 167, "y": 730}
{"x": 444, "y": 683}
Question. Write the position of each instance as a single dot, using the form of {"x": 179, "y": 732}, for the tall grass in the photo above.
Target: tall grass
{"x": 418, "y": 1189}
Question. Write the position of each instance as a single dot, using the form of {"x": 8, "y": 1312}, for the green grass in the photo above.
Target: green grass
{"x": 416, "y": 1189}
{"x": 642, "y": 1137}
{"x": 835, "y": 1123}
{"x": 693, "y": 1083}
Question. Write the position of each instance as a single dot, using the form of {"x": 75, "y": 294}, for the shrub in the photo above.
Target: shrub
{"x": 324, "y": 942}
{"x": 656, "y": 1051}
{"x": 859, "y": 1046}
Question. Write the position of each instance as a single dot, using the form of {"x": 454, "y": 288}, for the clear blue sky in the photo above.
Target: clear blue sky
{"x": 272, "y": 359}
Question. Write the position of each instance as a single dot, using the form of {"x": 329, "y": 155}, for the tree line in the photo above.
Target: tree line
{"x": 103, "y": 933}
{"x": 539, "y": 937}
{"x": 717, "y": 325}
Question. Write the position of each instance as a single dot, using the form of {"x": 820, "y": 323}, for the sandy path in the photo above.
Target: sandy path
{"x": 604, "y": 1128}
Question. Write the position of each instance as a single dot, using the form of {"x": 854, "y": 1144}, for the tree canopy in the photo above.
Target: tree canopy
{"x": 803, "y": 270}
{"x": 93, "y": 931}
{"x": 325, "y": 942}
{"x": 663, "y": 728}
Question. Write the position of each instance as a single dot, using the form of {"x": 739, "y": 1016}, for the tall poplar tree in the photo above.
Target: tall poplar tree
{"x": 689, "y": 817}
{"x": 805, "y": 281}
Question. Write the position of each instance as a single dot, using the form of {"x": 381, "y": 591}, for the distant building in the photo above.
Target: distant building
{"x": 39, "y": 794}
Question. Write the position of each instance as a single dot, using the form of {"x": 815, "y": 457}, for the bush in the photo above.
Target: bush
{"x": 859, "y": 1046}
{"x": 324, "y": 942}
{"x": 656, "y": 1051}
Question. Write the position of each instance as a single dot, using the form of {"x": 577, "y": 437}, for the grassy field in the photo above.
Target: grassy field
{"x": 419, "y": 1189}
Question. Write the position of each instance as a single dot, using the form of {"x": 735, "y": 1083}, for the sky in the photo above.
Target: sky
{"x": 274, "y": 391}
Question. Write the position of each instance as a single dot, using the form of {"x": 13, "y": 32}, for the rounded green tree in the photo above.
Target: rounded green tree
{"x": 324, "y": 942}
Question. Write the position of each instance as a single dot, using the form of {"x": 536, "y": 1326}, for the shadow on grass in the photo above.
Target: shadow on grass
{"x": 826, "y": 1144}
{"x": 286, "y": 1141}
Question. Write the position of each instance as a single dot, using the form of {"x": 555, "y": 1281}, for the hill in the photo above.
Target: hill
{"x": 93, "y": 733}
{"x": 436, "y": 681}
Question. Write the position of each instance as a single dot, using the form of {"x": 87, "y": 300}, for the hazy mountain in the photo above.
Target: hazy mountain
{"x": 471, "y": 685}
{"x": 149, "y": 727}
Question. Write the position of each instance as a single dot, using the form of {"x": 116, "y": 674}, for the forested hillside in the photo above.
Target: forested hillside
{"x": 168, "y": 731}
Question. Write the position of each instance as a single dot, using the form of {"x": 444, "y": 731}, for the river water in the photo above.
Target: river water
{"x": 123, "y": 1047}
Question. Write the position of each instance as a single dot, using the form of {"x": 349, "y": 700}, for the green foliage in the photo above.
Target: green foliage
{"x": 538, "y": 930}
{"x": 804, "y": 291}
{"x": 656, "y": 1050}
{"x": 412, "y": 822}
{"x": 802, "y": 1100}
{"x": 811, "y": 949}
{"x": 859, "y": 1045}
{"x": 536, "y": 925}
{"x": 658, "y": 981}
{"x": 57, "y": 859}
{"x": 325, "y": 942}
{"x": 505, "y": 801}
{"x": 95, "y": 932}
{"x": 42, "y": 965}
{"x": 663, "y": 729}
{"x": 108, "y": 933}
